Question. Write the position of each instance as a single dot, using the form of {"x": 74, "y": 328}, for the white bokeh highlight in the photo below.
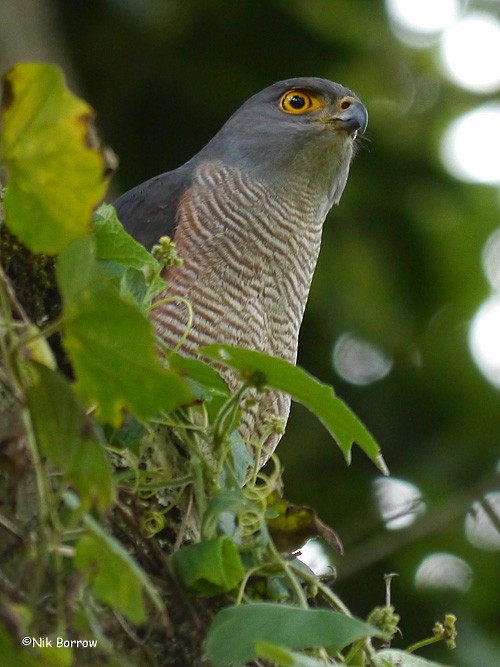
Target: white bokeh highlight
{"x": 314, "y": 556}
{"x": 423, "y": 16}
{"x": 482, "y": 523}
{"x": 399, "y": 502}
{"x": 444, "y": 571}
{"x": 491, "y": 259}
{"x": 470, "y": 148}
{"x": 358, "y": 361}
{"x": 484, "y": 339}
{"x": 470, "y": 53}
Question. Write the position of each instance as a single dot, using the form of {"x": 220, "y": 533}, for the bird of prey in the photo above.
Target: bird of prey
{"x": 246, "y": 214}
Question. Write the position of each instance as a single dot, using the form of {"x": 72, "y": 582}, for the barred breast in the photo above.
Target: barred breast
{"x": 249, "y": 253}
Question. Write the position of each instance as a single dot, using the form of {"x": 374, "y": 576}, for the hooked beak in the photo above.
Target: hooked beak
{"x": 353, "y": 117}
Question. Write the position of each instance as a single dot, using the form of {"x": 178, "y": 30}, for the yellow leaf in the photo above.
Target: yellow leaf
{"x": 56, "y": 173}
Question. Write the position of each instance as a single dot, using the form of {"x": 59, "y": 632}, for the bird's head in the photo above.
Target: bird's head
{"x": 298, "y": 130}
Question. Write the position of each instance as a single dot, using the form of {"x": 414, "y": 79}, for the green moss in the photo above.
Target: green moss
{"x": 32, "y": 277}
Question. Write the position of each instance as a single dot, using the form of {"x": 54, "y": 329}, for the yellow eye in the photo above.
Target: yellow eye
{"x": 298, "y": 101}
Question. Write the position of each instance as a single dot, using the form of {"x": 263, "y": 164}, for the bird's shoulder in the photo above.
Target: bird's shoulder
{"x": 149, "y": 210}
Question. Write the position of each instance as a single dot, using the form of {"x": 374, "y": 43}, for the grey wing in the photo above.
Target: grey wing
{"x": 149, "y": 210}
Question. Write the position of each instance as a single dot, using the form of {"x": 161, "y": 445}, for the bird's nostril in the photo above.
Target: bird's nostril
{"x": 345, "y": 104}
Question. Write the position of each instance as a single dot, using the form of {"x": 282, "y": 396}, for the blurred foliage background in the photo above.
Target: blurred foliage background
{"x": 408, "y": 259}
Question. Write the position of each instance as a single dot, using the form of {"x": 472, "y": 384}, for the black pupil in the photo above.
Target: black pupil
{"x": 297, "y": 101}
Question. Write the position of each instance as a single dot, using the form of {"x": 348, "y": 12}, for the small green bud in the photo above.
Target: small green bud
{"x": 386, "y": 619}
{"x": 165, "y": 252}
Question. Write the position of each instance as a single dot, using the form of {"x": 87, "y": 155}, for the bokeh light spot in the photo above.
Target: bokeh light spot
{"x": 399, "y": 502}
{"x": 470, "y": 53}
{"x": 314, "y": 556}
{"x": 359, "y": 361}
{"x": 482, "y": 523}
{"x": 491, "y": 259}
{"x": 442, "y": 570}
{"x": 484, "y": 340}
{"x": 424, "y": 16}
{"x": 470, "y": 147}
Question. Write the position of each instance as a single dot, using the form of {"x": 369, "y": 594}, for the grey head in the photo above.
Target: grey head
{"x": 301, "y": 127}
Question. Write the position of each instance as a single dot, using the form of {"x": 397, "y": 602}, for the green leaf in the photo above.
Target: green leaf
{"x": 204, "y": 381}
{"x": 230, "y": 501}
{"x": 281, "y": 656}
{"x": 12, "y": 653}
{"x": 128, "y": 436}
{"x": 114, "y": 243}
{"x": 262, "y": 370}
{"x": 58, "y": 420}
{"x": 55, "y": 656}
{"x": 91, "y": 473}
{"x": 404, "y": 659}
{"x": 242, "y": 460}
{"x": 68, "y": 437}
{"x": 210, "y": 567}
{"x": 233, "y": 635}
{"x": 56, "y": 178}
{"x": 139, "y": 273}
{"x": 77, "y": 270}
{"x": 111, "y": 576}
{"x": 274, "y": 653}
{"x": 110, "y": 343}
{"x": 115, "y": 578}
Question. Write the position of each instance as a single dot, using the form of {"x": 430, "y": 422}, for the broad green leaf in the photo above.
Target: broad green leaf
{"x": 209, "y": 567}
{"x": 77, "y": 270}
{"x": 262, "y": 370}
{"x": 91, "y": 473}
{"x": 110, "y": 343}
{"x": 114, "y": 243}
{"x": 113, "y": 574}
{"x": 58, "y": 420}
{"x": 233, "y": 635}
{"x": 139, "y": 273}
{"x": 404, "y": 659}
{"x": 56, "y": 178}
{"x": 68, "y": 437}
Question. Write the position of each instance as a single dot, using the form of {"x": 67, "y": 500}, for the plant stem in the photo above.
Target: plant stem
{"x": 422, "y": 643}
